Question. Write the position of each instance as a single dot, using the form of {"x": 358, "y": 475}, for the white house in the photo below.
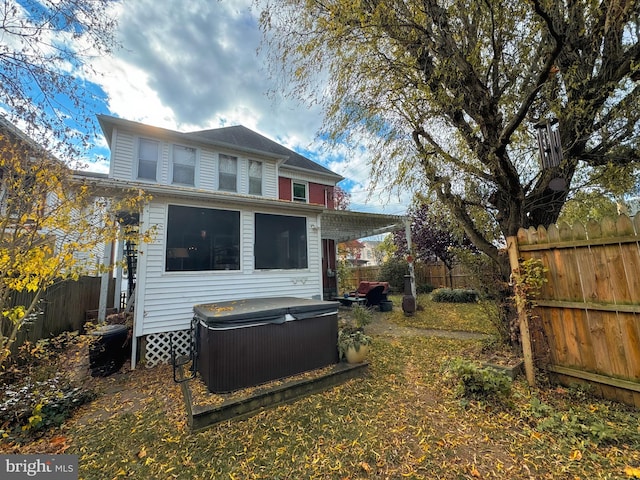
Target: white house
{"x": 237, "y": 216}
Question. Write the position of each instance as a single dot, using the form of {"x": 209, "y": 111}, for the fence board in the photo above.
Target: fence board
{"x": 589, "y": 310}
{"x": 435, "y": 274}
{"x": 63, "y": 307}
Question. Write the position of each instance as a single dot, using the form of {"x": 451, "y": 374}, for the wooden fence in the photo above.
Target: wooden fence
{"x": 62, "y": 308}
{"x": 435, "y": 274}
{"x": 586, "y": 325}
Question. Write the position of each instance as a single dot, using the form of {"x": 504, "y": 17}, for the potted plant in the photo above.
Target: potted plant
{"x": 353, "y": 343}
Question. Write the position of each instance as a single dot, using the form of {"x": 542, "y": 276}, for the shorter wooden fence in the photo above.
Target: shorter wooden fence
{"x": 62, "y": 308}
{"x": 586, "y": 325}
{"x": 435, "y": 274}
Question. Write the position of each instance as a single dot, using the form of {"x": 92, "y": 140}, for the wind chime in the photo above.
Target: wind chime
{"x": 550, "y": 149}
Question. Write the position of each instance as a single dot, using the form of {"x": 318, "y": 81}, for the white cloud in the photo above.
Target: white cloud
{"x": 195, "y": 65}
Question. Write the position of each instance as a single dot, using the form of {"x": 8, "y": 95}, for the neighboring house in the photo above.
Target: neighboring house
{"x": 237, "y": 216}
{"x": 370, "y": 252}
{"x": 25, "y": 202}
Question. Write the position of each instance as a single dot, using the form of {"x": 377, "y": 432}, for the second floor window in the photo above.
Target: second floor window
{"x": 299, "y": 192}
{"x": 148, "y": 151}
{"x": 228, "y": 174}
{"x": 255, "y": 177}
{"x": 184, "y": 165}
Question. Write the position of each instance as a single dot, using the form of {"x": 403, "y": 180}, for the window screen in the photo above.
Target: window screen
{"x": 202, "y": 239}
{"x": 281, "y": 242}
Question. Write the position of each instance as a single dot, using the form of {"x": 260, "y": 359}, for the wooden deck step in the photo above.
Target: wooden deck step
{"x": 201, "y": 417}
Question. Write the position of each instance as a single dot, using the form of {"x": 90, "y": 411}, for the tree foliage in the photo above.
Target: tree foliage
{"x": 341, "y": 198}
{"x": 447, "y": 93}
{"x": 51, "y": 228}
{"x": 432, "y": 235}
{"x": 585, "y": 206}
{"x": 47, "y": 48}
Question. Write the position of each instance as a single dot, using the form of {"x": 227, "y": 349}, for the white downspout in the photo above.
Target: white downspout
{"x": 104, "y": 282}
{"x": 118, "y": 282}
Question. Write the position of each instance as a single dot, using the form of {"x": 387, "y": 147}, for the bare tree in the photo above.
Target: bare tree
{"x": 47, "y": 48}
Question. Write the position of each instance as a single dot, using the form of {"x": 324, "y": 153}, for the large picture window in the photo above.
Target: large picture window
{"x": 202, "y": 239}
{"x": 281, "y": 242}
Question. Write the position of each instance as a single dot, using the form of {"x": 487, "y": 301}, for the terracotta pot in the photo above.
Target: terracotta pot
{"x": 357, "y": 356}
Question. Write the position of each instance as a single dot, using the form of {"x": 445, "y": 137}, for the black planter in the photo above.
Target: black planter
{"x": 109, "y": 350}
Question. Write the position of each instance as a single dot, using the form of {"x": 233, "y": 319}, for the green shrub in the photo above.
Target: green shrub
{"x": 582, "y": 423}
{"x": 393, "y": 271}
{"x": 480, "y": 383}
{"x": 362, "y": 315}
{"x": 424, "y": 288}
{"x": 455, "y": 295}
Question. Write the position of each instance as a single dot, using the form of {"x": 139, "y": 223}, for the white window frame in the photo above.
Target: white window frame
{"x": 260, "y": 178}
{"x": 138, "y": 159}
{"x": 173, "y": 164}
{"x": 306, "y": 191}
{"x": 222, "y": 156}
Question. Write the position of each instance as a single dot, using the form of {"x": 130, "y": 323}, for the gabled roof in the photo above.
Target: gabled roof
{"x": 236, "y": 137}
{"x": 242, "y": 136}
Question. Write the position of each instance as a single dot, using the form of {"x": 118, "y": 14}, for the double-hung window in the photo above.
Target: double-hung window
{"x": 255, "y": 177}
{"x": 148, "y": 153}
{"x": 228, "y": 173}
{"x": 299, "y": 192}
{"x": 184, "y": 165}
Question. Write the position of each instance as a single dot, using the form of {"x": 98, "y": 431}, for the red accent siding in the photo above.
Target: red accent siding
{"x": 284, "y": 188}
{"x": 317, "y": 193}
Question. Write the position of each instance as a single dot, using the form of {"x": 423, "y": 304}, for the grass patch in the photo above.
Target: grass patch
{"x": 468, "y": 317}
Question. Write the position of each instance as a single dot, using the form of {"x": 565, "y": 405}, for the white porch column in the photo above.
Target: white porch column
{"x": 412, "y": 272}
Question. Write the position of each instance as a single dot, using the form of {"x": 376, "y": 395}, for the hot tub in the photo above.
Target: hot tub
{"x": 245, "y": 343}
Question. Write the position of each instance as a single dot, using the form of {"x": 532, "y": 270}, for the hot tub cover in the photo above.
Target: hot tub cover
{"x": 259, "y": 311}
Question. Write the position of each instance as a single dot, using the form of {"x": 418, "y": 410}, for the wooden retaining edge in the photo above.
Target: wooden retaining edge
{"x": 594, "y": 377}
{"x": 200, "y": 418}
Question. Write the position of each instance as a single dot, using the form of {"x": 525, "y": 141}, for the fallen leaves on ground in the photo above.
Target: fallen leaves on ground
{"x": 401, "y": 420}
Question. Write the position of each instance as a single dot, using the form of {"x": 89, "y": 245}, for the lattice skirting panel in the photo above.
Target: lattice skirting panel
{"x": 158, "y": 348}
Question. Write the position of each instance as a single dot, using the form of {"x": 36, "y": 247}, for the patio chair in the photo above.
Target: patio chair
{"x": 374, "y": 296}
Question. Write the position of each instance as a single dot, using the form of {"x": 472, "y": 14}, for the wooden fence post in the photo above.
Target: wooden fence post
{"x": 523, "y": 320}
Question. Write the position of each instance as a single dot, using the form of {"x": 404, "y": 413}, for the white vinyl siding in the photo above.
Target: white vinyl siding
{"x": 166, "y": 299}
{"x": 123, "y": 166}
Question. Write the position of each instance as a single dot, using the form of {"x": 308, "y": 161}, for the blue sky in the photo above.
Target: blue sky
{"x": 195, "y": 65}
